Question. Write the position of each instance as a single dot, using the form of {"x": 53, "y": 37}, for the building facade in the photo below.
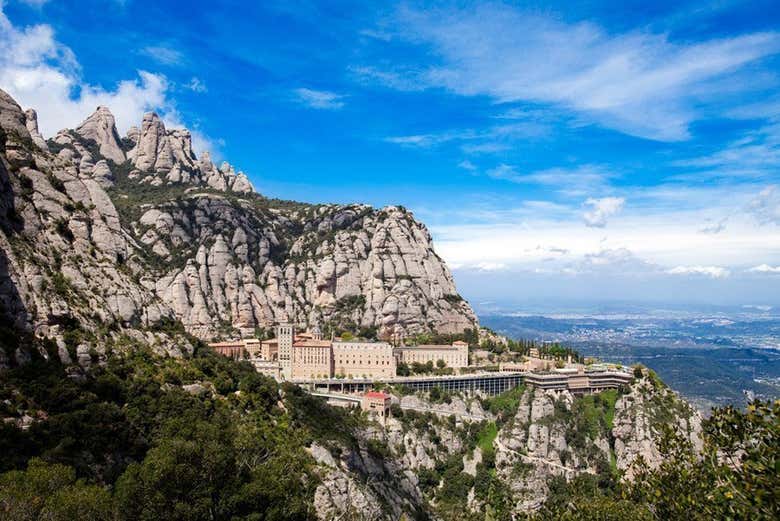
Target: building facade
{"x": 312, "y": 359}
{"x": 376, "y": 402}
{"x": 455, "y": 355}
{"x": 363, "y": 359}
{"x": 306, "y": 356}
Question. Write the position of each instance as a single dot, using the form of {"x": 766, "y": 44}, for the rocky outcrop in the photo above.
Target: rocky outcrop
{"x": 350, "y": 264}
{"x": 166, "y": 157}
{"x": 12, "y": 119}
{"x": 31, "y": 118}
{"x": 361, "y": 485}
{"x": 100, "y": 127}
{"x": 639, "y": 415}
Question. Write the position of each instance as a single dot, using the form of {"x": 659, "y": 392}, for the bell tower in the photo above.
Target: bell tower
{"x": 285, "y": 334}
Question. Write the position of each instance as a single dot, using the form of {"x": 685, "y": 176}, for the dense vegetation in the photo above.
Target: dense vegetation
{"x": 132, "y": 440}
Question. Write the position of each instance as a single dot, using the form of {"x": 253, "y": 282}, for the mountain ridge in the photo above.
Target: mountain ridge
{"x": 167, "y": 235}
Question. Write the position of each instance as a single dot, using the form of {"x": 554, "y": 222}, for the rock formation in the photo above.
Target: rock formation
{"x": 100, "y": 128}
{"x": 102, "y": 238}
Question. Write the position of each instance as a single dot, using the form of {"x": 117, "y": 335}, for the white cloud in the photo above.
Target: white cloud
{"x": 467, "y": 165}
{"x": 197, "y": 85}
{"x": 764, "y": 268}
{"x": 660, "y": 226}
{"x": 496, "y": 138}
{"x": 42, "y": 73}
{"x": 715, "y": 272}
{"x": 34, "y": 3}
{"x": 403, "y": 80}
{"x": 573, "y": 182}
{"x": 601, "y": 210}
{"x": 420, "y": 140}
{"x": 479, "y": 266}
{"x": 319, "y": 99}
{"x": 766, "y": 205}
{"x": 163, "y": 54}
{"x": 638, "y": 82}
{"x": 714, "y": 227}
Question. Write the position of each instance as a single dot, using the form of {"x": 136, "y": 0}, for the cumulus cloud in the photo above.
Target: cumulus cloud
{"x": 601, "y": 210}
{"x": 638, "y": 82}
{"x": 715, "y": 272}
{"x": 42, "y": 73}
{"x": 319, "y": 99}
{"x": 764, "y": 268}
{"x": 766, "y": 205}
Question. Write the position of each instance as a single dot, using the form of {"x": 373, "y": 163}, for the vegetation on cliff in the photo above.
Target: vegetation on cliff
{"x": 148, "y": 437}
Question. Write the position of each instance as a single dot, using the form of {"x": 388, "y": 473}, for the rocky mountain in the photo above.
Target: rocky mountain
{"x": 109, "y": 233}
{"x": 469, "y": 455}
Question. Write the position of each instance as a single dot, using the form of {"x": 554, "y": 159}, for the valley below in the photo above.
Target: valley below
{"x": 711, "y": 358}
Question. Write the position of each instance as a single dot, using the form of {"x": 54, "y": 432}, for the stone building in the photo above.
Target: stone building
{"x": 376, "y": 402}
{"x": 312, "y": 359}
{"x": 233, "y": 349}
{"x": 363, "y": 359}
{"x": 284, "y": 339}
{"x": 455, "y": 355}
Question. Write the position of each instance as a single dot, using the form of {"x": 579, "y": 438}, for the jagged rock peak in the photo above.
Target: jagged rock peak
{"x": 11, "y": 116}
{"x": 101, "y": 128}
{"x": 32, "y": 126}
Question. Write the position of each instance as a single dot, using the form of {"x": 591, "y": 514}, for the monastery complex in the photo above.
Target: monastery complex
{"x": 307, "y": 356}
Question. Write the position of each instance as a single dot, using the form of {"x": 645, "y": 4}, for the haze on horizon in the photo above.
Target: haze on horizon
{"x": 597, "y": 151}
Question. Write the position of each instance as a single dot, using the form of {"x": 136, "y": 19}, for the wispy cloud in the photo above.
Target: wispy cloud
{"x": 197, "y": 85}
{"x": 714, "y": 227}
{"x": 467, "y": 165}
{"x": 319, "y": 99}
{"x": 407, "y": 80}
{"x": 35, "y": 3}
{"x": 715, "y": 272}
{"x": 163, "y": 54}
{"x": 765, "y": 207}
{"x": 638, "y": 82}
{"x": 601, "y": 210}
{"x": 572, "y": 182}
{"x": 494, "y": 138}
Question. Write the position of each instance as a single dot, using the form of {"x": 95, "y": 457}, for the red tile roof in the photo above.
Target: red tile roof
{"x": 377, "y": 394}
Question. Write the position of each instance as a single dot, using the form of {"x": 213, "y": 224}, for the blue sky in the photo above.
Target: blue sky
{"x": 581, "y": 150}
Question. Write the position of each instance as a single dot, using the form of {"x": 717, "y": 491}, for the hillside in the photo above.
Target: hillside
{"x": 102, "y": 233}
{"x": 145, "y": 436}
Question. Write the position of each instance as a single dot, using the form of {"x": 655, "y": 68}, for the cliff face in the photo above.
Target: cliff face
{"x": 466, "y": 460}
{"x": 118, "y": 233}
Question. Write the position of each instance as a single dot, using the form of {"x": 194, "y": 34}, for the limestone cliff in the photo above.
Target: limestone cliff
{"x": 109, "y": 234}
{"x": 466, "y": 459}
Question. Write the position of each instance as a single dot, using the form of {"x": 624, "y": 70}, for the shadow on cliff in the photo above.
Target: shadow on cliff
{"x": 14, "y": 317}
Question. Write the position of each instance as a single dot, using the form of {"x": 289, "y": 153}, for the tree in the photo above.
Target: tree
{"x": 51, "y": 491}
{"x": 441, "y": 364}
{"x": 735, "y": 477}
